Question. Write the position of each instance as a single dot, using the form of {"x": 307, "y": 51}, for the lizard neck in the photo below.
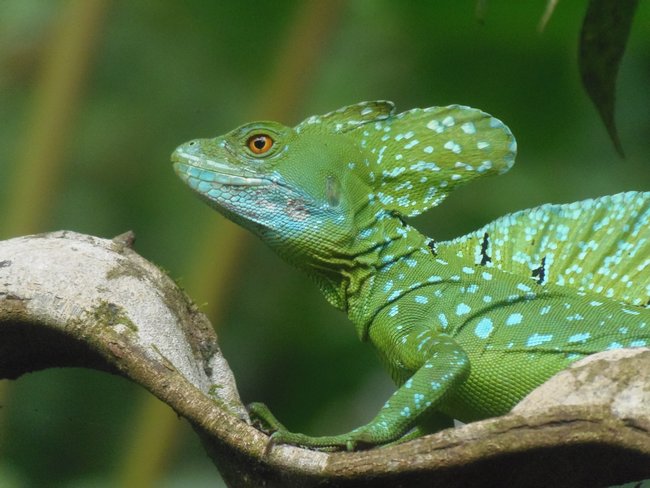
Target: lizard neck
{"x": 401, "y": 265}
{"x": 393, "y": 259}
{"x": 350, "y": 270}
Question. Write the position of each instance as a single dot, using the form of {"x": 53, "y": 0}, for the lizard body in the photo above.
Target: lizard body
{"x": 466, "y": 327}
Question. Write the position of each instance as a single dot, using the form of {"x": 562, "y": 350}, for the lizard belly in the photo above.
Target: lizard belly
{"x": 498, "y": 380}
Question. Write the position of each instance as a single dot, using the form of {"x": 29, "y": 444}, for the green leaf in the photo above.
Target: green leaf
{"x": 605, "y": 31}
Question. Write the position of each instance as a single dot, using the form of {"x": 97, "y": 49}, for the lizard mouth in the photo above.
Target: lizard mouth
{"x": 191, "y": 167}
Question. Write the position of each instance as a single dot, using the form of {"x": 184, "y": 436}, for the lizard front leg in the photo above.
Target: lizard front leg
{"x": 439, "y": 365}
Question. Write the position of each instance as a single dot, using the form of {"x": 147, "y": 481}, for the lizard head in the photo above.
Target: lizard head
{"x": 281, "y": 184}
{"x": 318, "y": 187}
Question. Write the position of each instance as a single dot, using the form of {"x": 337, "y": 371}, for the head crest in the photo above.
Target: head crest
{"x": 417, "y": 157}
{"x": 351, "y": 116}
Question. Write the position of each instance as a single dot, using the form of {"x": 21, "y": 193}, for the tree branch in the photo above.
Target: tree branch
{"x": 68, "y": 299}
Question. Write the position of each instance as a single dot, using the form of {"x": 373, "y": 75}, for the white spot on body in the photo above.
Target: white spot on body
{"x": 411, "y": 144}
{"x": 434, "y": 125}
{"x": 423, "y": 165}
{"x": 380, "y": 156}
{"x": 453, "y": 147}
{"x": 468, "y": 128}
{"x": 484, "y": 166}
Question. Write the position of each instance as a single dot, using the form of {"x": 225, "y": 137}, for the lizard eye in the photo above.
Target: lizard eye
{"x": 259, "y": 143}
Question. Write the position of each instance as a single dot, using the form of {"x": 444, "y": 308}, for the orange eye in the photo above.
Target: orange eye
{"x": 260, "y": 143}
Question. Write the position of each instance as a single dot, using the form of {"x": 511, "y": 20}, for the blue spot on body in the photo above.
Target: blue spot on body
{"x": 514, "y": 319}
{"x": 443, "y": 320}
{"x": 538, "y": 339}
{"x": 631, "y": 312}
{"x": 579, "y": 337}
{"x": 417, "y": 398}
{"x": 573, "y": 317}
{"x": 364, "y": 234}
{"x": 484, "y": 328}
{"x": 463, "y": 309}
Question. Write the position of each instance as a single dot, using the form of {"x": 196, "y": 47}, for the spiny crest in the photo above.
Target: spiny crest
{"x": 600, "y": 245}
{"x": 414, "y": 159}
{"x": 351, "y": 116}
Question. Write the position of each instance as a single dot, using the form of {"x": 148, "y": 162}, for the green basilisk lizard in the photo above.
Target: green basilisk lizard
{"x": 465, "y": 327}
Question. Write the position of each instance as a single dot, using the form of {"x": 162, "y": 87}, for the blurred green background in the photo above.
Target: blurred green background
{"x": 95, "y": 95}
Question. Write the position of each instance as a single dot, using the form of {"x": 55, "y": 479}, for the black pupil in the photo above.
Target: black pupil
{"x": 259, "y": 142}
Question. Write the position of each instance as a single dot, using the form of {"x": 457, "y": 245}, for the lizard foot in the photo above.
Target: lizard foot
{"x": 361, "y": 438}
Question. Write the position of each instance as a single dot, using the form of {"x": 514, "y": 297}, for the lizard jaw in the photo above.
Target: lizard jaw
{"x": 191, "y": 167}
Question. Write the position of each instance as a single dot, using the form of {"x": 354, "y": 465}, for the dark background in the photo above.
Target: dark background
{"x": 95, "y": 95}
